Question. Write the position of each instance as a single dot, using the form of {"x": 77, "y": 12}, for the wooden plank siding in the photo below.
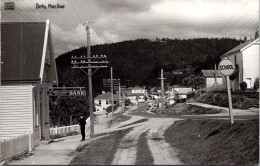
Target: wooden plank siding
{"x": 16, "y": 115}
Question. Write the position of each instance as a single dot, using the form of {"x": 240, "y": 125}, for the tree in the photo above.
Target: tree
{"x": 243, "y": 86}
{"x": 61, "y": 108}
{"x": 196, "y": 82}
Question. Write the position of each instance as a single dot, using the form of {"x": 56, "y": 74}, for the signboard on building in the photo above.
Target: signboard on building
{"x": 67, "y": 92}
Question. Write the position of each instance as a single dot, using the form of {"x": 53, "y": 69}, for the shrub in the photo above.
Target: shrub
{"x": 243, "y": 86}
{"x": 256, "y": 84}
{"x": 247, "y": 103}
{"x": 109, "y": 109}
{"x": 221, "y": 99}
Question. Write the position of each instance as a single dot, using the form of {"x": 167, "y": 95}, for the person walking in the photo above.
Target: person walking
{"x": 82, "y": 123}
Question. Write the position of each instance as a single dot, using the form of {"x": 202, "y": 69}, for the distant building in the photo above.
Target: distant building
{"x": 103, "y": 101}
{"x": 28, "y": 70}
{"x": 210, "y": 77}
{"x": 136, "y": 94}
{"x": 246, "y": 57}
{"x": 180, "y": 91}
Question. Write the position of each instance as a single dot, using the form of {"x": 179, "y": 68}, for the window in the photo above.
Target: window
{"x": 99, "y": 102}
{"x": 106, "y": 101}
{"x": 114, "y": 102}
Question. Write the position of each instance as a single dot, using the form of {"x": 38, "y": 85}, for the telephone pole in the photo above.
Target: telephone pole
{"x": 89, "y": 62}
{"x": 112, "y": 99}
{"x": 162, "y": 88}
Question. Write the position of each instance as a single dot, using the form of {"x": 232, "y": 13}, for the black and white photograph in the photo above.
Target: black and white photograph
{"x": 129, "y": 82}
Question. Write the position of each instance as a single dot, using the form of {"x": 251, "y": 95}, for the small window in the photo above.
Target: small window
{"x": 106, "y": 101}
{"x": 99, "y": 102}
{"x": 114, "y": 102}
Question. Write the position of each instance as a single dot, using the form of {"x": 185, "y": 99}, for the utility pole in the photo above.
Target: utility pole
{"x": 90, "y": 84}
{"x": 112, "y": 100}
{"x": 119, "y": 92}
{"x": 162, "y": 88}
{"x": 123, "y": 102}
{"x": 92, "y": 62}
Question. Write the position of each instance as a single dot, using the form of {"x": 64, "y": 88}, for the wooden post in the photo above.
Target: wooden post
{"x": 70, "y": 120}
{"x": 162, "y": 88}
{"x": 119, "y": 92}
{"x": 112, "y": 100}
{"x": 123, "y": 107}
{"x": 90, "y": 97}
{"x": 230, "y": 101}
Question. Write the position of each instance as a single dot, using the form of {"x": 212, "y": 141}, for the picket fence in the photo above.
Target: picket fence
{"x": 67, "y": 129}
{"x": 16, "y": 146}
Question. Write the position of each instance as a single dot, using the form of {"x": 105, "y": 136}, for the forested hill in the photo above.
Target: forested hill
{"x": 141, "y": 60}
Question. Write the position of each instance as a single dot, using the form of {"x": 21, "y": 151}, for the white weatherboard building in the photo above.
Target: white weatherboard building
{"x": 28, "y": 70}
{"x": 246, "y": 57}
{"x": 103, "y": 101}
{"x": 136, "y": 94}
{"x": 210, "y": 76}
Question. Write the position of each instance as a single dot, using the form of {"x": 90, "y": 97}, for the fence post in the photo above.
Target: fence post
{"x": 30, "y": 141}
{"x": 56, "y": 130}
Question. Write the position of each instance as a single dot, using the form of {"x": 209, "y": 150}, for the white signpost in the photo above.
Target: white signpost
{"x": 227, "y": 68}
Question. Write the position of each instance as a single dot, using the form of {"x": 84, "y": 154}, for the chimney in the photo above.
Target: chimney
{"x": 103, "y": 92}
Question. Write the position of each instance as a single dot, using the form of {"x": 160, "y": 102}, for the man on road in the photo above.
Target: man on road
{"x": 82, "y": 123}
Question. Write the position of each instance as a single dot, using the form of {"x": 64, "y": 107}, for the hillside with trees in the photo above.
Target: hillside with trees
{"x": 141, "y": 60}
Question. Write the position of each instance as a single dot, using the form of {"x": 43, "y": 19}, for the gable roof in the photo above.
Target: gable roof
{"x": 135, "y": 88}
{"x": 240, "y": 47}
{"x": 107, "y": 96}
{"x": 23, "y": 50}
{"x": 211, "y": 73}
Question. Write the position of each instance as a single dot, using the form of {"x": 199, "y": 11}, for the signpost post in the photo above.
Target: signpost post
{"x": 227, "y": 68}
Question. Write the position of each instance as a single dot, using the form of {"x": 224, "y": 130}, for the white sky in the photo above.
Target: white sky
{"x": 119, "y": 20}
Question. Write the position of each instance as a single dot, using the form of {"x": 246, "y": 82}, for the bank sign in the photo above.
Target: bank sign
{"x": 226, "y": 67}
{"x": 67, "y": 92}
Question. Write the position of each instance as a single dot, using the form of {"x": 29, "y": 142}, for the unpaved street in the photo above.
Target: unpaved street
{"x": 162, "y": 152}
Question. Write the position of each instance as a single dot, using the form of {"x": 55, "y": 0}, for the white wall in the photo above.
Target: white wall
{"x": 251, "y": 64}
{"x": 210, "y": 81}
{"x": 16, "y": 110}
{"x": 103, "y": 105}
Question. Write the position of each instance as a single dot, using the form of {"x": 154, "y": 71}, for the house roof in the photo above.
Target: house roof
{"x": 22, "y": 50}
{"x": 239, "y": 47}
{"x": 211, "y": 73}
{"x": 178, "y": 86}
{"x": 107, "y": 96}
{"x": 135, "y": 88}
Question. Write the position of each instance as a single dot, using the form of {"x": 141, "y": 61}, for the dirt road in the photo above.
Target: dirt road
{"x": 161, "y": 151}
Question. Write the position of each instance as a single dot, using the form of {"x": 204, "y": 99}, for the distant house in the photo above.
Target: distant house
{"x": 28, "y": 70}
{"x": 246, "y": 57}
{"x": 136, "y": 94}
{"x": 210, "y": 77}
{"x": 103, "y": 101}
{"x": 180, "y": 91}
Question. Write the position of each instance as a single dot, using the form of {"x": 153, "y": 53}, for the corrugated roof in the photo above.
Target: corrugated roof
{"x": 22, "y": 47}
{"x": 211, "y": 73}
{"x": 238, "y": 48}
{"x": 107, "y": 96}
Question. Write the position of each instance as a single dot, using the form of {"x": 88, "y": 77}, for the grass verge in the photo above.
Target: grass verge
{"x": 55, "y": 136}
{"x": 215, "y": 142}
{"x": 100, "y": 151}
{"x": 144, "y": 154}
{"x": 138, "y": 121}
{"x": 188, "y": 109}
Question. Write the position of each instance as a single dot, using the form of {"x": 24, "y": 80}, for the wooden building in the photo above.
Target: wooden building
{"x": 28, "y": 70}
{"x": 246, "y": 58}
